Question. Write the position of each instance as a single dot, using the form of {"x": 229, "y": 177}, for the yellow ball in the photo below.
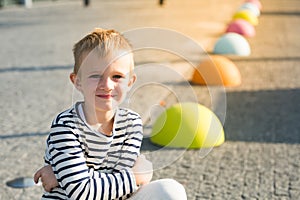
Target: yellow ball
{"x": 246, "y": 15}
{"x": 187, "y": 125}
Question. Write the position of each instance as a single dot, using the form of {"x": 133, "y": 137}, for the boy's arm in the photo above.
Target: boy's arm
{"x": 130, "y": 153}
{"x": 131, "y": 144}
{"x": 142, "y": 170}
{"x": 76, "y": 179}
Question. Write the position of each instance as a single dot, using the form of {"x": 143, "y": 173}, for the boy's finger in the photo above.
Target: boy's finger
{"x": 36, "y": 177}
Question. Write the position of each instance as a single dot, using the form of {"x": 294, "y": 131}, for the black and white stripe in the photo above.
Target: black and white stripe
{"x": 88, "y": 164}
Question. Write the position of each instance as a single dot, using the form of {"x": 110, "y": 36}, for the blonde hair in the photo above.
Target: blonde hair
{"x": 105, "y": 41}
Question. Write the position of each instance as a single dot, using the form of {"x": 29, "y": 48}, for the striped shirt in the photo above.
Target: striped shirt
{"x": 91, "y": 165}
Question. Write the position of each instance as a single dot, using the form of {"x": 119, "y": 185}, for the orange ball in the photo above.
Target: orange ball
{"x": 217, "y": 70}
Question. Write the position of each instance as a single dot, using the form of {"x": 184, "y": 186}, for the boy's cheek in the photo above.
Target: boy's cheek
{"x": 124, "y": 87}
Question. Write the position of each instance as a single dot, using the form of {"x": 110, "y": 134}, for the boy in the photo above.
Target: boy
{"x": 93, "y": 149}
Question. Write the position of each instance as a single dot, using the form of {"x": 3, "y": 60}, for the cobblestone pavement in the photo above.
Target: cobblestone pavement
{"x": 261, "y": 156}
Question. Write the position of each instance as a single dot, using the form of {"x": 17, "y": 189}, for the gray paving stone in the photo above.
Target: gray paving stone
{"x": 260, "y": 158}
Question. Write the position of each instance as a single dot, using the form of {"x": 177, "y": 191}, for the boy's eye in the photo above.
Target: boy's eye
{"x": 117, "y": 77}
{"x": 95, "y": 76}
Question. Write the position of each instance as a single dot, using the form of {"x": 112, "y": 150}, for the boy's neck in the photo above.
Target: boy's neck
{"x": 102, "y": 121}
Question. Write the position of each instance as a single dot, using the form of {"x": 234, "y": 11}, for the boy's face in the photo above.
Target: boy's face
{"x": 104, "y": 82}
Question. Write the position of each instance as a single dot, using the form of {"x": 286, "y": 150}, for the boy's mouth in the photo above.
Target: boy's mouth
{"x": 105, "y": 96}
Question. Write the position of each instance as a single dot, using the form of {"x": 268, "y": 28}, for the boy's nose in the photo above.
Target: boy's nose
{"x": 105, "y": 83}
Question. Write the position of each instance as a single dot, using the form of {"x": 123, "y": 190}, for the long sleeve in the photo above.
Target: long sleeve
{"x": 131, "y": 139}
{"x": 76, "y": 178}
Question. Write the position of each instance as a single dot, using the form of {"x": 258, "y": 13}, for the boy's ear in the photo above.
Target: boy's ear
{"x": 132, "y": 80}
{"x": 75, "y": 80}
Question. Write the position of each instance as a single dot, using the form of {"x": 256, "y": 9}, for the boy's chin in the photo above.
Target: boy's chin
{"x": 109, "y": 106}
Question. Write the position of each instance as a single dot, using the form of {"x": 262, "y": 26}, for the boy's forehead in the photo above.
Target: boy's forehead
{"x": 92, "y": 60}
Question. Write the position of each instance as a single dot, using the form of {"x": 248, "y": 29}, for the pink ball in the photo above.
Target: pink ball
{"x": 241, "y": 27}
{"x": 255, "y": 2}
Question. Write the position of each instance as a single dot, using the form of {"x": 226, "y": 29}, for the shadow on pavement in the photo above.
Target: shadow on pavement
{"x": 270, "y": 116}
{"x": 21, "y": 135}
{"x": 285, "y": 13}
{"x": 35, "y": 68}
{"x": 273, "y": 59}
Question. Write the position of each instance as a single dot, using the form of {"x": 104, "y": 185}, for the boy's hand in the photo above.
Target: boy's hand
{"x": 143, "y": 170}
{"x": 47, "y": 177}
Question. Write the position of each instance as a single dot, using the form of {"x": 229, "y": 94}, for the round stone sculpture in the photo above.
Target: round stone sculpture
{"x": 250, "y": 7}
{"x": 246, "y": 15}
{"x": 187, "y": 125}
{"x": 241, "y": 27}
{"x": 217, "y": 70}
{"x": 255, "y": 2}
{"x": 232, "y": 43}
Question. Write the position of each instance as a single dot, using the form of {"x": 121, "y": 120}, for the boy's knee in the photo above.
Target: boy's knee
{"x": 170, "y": 189}
{"x": 163, "y": 189}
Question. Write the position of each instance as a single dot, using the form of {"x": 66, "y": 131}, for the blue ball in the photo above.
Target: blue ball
{"x": 250, "y": 7}
{"x": 232, "y": 43}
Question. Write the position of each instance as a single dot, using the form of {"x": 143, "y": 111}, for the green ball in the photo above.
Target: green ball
{"x": 187, "y": 125}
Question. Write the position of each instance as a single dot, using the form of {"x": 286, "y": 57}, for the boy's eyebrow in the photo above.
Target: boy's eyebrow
{"x": 103, "y": 71}
{"x": 121, "y": 71}
{"x": 97, "y": 70}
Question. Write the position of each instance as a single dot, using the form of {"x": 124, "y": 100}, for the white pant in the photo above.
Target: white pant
{"x": 164, "y": 189}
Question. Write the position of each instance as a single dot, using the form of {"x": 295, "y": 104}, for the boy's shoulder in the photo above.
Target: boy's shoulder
{"x": 126, "y": 112}
{"x": 67, "y": 115}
